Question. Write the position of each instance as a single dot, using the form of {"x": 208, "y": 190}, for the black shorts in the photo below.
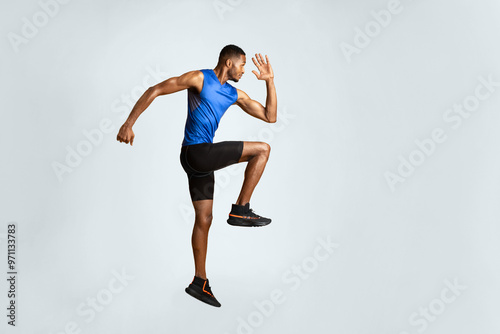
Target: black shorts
{"x": 201, "y": 160}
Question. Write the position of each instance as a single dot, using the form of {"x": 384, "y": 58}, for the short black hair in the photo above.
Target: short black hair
{"x": 230, "y": 51}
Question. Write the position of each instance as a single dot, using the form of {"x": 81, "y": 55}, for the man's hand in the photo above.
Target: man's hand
{"x": 265, "y": 69}
{"x": 254, "y": 108}
{"x": 126, "y": 135}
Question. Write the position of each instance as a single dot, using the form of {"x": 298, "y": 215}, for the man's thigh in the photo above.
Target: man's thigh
{"x": 253, "y": 148}
{"x": 209, "y": 157}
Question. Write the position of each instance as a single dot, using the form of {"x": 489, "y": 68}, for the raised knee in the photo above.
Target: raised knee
{"x": 265, "y": 149}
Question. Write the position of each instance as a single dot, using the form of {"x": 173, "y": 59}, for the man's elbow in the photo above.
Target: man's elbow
{"x": 153, "y": 91}
{"x": 271, "y": 117}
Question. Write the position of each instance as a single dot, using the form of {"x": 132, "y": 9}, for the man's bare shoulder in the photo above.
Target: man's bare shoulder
{"x": 192, "y": 75}
{"x": 195, "y": 73}
{"x": 241, "y": 95}
{"x": 192, "y": 79}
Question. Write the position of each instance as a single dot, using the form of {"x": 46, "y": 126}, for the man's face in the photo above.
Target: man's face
{"x": 238, "y": 68}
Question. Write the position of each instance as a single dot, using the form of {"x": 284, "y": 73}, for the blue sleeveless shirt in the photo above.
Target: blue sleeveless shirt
{"x": 206, "y": 109}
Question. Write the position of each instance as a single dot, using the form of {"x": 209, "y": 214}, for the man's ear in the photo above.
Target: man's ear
{"x": 229, "y": 62}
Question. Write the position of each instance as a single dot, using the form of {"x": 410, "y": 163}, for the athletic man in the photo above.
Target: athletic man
{"x": 209, "y": 96}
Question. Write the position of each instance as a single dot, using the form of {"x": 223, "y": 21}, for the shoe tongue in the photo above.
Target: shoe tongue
{"x": 247, "y": 207}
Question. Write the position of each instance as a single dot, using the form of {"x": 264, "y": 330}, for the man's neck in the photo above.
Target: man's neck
{"x": 221, "y": 74}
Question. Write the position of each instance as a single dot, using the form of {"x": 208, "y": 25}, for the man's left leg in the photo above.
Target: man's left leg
{"x": 199, "y": 287}
{"x": 199, "y": 238}
{"x": 201, "y": 189}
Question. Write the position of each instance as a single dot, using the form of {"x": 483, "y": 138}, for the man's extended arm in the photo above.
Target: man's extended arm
{"x": 254, "y": 108}
{"x": 193, "y": 79}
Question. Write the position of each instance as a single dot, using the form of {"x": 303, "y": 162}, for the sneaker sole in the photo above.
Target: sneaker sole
{"x": 201, "y": 297}
{"x": 247, "y": 223}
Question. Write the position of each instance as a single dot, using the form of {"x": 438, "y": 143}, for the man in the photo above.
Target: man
{"x": 209, "y": 96}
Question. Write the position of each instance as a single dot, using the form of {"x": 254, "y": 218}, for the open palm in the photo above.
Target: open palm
{"x": 264, "y": 67}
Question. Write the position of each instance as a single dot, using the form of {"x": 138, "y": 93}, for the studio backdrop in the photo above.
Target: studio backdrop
{"x": 382, "y": 182}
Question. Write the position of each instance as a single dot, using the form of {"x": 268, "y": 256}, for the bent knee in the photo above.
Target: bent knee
{"x": 265, "y": 149}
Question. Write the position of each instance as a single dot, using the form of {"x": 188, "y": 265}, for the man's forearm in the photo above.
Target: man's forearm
{"x": 271, "y": 101}
{"x": 141, "y": 105}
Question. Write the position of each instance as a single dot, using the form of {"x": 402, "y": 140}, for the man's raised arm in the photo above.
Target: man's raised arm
{"x": 193, "y": 79}
{"x": 254, "y": 108}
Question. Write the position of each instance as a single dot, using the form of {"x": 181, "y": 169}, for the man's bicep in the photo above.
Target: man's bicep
{"x": 245, "y": 102}
{"x": 250, "y": 106}
{"x": 185, "y": 81}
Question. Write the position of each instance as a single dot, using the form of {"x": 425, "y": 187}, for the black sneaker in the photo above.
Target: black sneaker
{"x": 242, "y": 215}
{"x": 200, "y": 290}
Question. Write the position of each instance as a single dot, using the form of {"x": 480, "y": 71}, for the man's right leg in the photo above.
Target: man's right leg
{"x": 257, "y": 154}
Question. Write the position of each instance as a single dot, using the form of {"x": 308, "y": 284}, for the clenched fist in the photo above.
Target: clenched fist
{"x": 126, "y": 135}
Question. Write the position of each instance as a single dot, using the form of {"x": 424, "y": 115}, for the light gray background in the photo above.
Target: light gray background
{"x": 346, "y": 123}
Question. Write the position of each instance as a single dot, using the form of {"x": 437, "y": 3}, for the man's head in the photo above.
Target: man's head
{"x": 233, "y": 59}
